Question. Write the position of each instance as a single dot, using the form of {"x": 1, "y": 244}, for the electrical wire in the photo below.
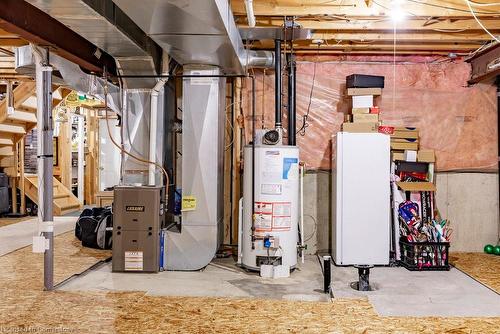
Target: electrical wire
{"x": 305, "y": 124}
{"x": 479, "y": 21}
{"x": 448, "y": 7}
{"x": 482, "y": 4}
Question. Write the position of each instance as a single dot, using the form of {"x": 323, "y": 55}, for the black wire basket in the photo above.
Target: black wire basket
{"x": 423, "y": 256}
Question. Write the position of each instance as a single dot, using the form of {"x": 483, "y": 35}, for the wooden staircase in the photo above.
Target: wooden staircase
{"x": 14, "y": 126}
{"x": 64, "y": 200}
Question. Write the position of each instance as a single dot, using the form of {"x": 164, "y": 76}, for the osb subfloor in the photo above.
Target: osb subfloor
{"x": 9, "y": 221}
{"x": 483, "y": 267}
{"x": 23, "y": 304}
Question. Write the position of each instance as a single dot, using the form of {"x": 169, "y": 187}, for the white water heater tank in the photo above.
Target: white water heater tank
{"x": 273, "y": 237}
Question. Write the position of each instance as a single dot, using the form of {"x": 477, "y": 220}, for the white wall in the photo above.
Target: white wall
{"x": 468, "y": 200}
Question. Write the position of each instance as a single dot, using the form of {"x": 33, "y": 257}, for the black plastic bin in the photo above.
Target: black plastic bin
{"x": 421, "y": 256}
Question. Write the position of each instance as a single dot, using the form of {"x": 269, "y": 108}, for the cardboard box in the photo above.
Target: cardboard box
{"x": 426, "y": 156}
{"x": 416, "y": 186}
{"x": 358, "y": 118}
{"x": 410, "y": 156}
{"x": 366, "y": 127}
{"x": 406, "y": 129}
{"x": 364, "y": 91}
{"x": 401, "y": 146}
{"x": 403, "y": 140}
{"x": 362, "y": 101}
{"x": 364, "y": 81}
{"x": 398, "y": 155}
{"x": 360, "y": 110}
{"x": 404, "y": 135}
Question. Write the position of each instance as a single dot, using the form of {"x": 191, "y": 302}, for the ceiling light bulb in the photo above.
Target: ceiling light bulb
{"x": 397, "y": 13}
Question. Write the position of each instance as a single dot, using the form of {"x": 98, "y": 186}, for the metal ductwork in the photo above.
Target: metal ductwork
{"x": 106, "y": 26}
{"x": 196, "y": 32}
{"x": 68, "y": 74}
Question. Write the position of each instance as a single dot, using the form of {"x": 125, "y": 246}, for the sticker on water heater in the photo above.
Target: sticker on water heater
{"x": 263, "y": 216}
{"x": 270, "y": 189}
{"x": 134, "y": 261}
{"x": 290, "y": 168}
{"x": 283, "y": 209}
{"x": 263, "y": 221}
{"x": 282, "y": 223}
{"x": 282, "y": 216}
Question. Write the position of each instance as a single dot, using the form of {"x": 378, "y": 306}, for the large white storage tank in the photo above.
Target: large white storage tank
{"x": 276, "y": 186}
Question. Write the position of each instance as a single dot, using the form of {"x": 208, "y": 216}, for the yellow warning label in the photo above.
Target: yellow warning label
{"x": 188, "y": 203}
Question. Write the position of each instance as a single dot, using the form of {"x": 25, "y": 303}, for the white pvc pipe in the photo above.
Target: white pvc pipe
{"x": 153, "y": 127}
{"x": 240, "y": 229}
{"x": 250, "y": 13}
{"x": 302, "y": 170}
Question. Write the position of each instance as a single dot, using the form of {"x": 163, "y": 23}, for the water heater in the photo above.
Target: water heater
{"x": 271, "y": 236}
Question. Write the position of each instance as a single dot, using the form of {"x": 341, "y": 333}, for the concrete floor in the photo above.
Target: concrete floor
{"x": 220, "y": 278}
{"x": 397, "y": 291}
{"x": 20, "y": 234}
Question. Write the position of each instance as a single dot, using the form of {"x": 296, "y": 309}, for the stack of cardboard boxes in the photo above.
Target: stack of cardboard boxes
{"x": 364, "y": 116}
{"x": 405, "y": 145}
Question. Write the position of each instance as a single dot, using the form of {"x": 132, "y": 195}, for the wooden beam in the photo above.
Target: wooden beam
{"x": 228, "y": 134}
{"x": 236, "y": 155}
{"x": 485, "y": 64}
{"x": 64, "y": 153}
{"x": 378, "y": 24}
{"x": 14, "y": 180}
{"x": 379, "y": 46}
{"x": 355, "y": 8}
{"x": 432, "y": 37}
{"x": 7, "y": 41}
{"x": 21, "y": 177}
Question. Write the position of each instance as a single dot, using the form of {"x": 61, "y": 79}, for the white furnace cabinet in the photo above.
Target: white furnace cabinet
{"x": 361, "y": 198}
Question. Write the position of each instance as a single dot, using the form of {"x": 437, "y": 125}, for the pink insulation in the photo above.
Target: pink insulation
{"x": 458, "y": 122}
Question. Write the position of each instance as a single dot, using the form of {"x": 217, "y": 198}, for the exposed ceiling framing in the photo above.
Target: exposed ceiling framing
{"x": 363, "y": 26}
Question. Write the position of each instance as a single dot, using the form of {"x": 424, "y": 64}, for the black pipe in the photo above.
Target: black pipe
{"x": 292, "y": 111}
{"x": 277, "y": 83}
{"x": 327, "y": 274}
{"x": 253, "y": 162}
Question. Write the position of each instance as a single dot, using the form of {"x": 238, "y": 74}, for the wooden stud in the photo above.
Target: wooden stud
{"x": 64, "y": 153}
{"x": 14, "y": 180}
{"x": 21, "y": 177}
{"x": 236, "y": 148}
{"x": 228, "y": 133}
